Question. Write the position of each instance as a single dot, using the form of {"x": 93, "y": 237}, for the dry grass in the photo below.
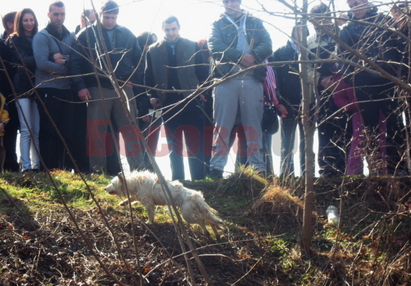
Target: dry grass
{"x": 43, "y": 245}
{"x": 279, "y": 204}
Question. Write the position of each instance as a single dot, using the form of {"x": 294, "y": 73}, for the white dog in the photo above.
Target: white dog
{"x": 145, "y": 187}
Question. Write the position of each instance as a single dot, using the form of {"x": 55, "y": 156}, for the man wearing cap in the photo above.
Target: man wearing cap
{"x": 95, "y": 65}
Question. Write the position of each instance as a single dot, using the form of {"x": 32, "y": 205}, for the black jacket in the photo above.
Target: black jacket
{"x": 124, "y": 54}
{"x": 223, "y": 42}
{"x": 6, "y": 55}
{"x": 287, "y": 75}
{"x": 183, "y": 67}
{"x": 377, "y": 44}
{"x": 25, "y": 65}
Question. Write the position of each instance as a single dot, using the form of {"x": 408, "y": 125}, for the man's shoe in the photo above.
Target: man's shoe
{"x": 215, "y": 174}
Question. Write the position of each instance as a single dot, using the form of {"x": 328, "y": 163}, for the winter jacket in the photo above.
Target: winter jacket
{"x": 46, "y": 43}
{"x": 89, "y": 57}
{"x": 22, "y": 56}
{"x": 188, "y": 70}
{"x": 223, "y": 41}
{"x": 377, "y": 44}
{"x": 5, "y": 74}
{"x": 320, "y": 46}
{"x": 288, "y": 78}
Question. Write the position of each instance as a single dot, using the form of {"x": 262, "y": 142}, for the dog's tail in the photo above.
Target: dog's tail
{"x": 206, "y": 212}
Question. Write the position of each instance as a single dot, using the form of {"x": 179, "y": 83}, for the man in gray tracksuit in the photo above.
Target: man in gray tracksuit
{"x": 238, "y": 41}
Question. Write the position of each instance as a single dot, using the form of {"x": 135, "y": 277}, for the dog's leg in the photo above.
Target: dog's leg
{"x": 150, "y": 212}
{"x": 215, "y": 230}
{"x": 202, "y": 224}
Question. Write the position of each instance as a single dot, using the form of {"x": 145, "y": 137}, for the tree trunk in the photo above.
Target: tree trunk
{"x": 309, "y": 129}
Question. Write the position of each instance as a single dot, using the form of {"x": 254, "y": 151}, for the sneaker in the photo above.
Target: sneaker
{"x": 215, "y": 174}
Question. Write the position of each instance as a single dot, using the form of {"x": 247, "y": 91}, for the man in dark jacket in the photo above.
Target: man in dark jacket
{"x": 177, "y": 67}
{"x": 93, "y": 62}
{"x": 332, "y": 131}
{"x": 238, "y": 41}
{"x": 375, "y": 93}
{"x": 289, "y": 89}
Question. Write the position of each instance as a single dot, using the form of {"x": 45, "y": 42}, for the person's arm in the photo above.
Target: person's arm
{"x": 201, "y": 66}
{"x": 149, "y": 82}
{"x": 348, "y": 38}
{"x": 221, "y": 51}
{"x": 138, "y": 63}
{"x": 77, "y": 62}
{"x": 262, "y": 45}
{"x": 21, "y": 55}
{"x": 202, "y": 70}
{"x": 313, "y": 75}
{"x": 47, "y": 60}
{"x": 343, "y": 95}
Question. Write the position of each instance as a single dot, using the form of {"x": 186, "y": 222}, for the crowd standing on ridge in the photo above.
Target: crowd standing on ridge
{"x": 83, "y": 100}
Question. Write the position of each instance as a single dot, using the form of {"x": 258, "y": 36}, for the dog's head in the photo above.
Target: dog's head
{"x": 116, "y": 187}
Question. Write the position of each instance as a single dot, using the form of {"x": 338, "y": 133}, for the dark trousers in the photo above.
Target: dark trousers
{"x": 331, "y": 145}
{"x": 288, "y": 133}
{"x": 56, "y": 117}
{"x": 10, "y": 139}
{"x": 151, "y": 132}
{"x": 333, "y": 137}
{"x": 187, "y": 122}
{"x": 380, "y": 98}
{"x": 78, "y": 146}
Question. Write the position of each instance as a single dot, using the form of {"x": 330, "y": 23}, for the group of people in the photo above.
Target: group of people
{"x": 122, "y": 79}
{"x": 82, "y": 100}
{"x": 38, "y": 90}
{"x": 355, "y": 102}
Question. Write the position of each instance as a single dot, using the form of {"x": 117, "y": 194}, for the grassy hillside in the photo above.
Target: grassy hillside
{"x": 61, "y": 229}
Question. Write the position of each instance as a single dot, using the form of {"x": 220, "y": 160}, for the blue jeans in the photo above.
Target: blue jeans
{"x": 29, "y": 133}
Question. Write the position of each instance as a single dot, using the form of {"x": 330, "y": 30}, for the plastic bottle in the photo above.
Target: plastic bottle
{"x": 332, "y": 215}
